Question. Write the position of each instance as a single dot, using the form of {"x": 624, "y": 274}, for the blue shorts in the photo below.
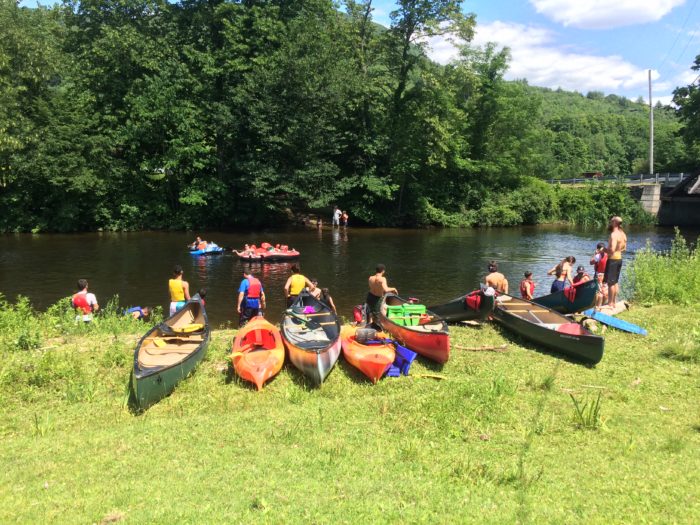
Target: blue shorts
{"x": 558, "y": 286}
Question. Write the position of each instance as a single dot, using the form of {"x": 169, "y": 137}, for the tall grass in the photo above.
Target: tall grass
{"x": 24, "y": 328}
{"x": 668, "y": 277}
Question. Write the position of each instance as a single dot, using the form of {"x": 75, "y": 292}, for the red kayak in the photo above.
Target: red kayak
{"x": 423, "y": 333}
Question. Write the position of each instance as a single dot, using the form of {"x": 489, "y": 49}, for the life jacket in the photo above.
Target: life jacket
{"x": 577, "y": 279}
{"x": 523, "y": 291}
{"x": 570, "y": 293}
{"x": 202, "y": 245}
{"x": 177, "y": 292}
{"x": 81, "y": 303}
{"x": 602, "y": 263}
{"x": 265, "y": 245}
{"x": 135, "y": 309}
{"x": 473, "y": 300}
{"x": 254, "y": 288}
{"x": 297, "y": 284}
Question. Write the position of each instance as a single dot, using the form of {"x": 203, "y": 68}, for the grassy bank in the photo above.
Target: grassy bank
{"x": 497, "y": 440}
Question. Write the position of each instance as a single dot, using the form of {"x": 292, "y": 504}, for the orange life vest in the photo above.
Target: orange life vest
{"x": 81, "y": 303}
{"x": 602, "y": 263}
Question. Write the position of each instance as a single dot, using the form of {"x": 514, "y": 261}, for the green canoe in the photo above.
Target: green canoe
{"x": 168, "y": 353}
{"x": 549, "y": 329}
{"x": 584, "y": 298}
{"x": 474, "y": 306}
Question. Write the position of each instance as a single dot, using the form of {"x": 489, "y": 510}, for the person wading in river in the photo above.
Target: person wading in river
{"x": 617, "y": 243}
{"x": 562, "y": 273}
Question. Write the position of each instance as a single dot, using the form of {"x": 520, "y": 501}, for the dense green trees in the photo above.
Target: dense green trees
{"x": 128, "y": 114}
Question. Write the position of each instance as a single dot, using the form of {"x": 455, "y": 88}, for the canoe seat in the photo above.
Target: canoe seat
{"x": 166, "y": 355}
{"x": 572, "y": 329}
{"x": 259, "y": 337}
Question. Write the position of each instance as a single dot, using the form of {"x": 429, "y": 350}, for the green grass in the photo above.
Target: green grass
{"x": 667, "y": 277}
{"x": 496, "y": 441}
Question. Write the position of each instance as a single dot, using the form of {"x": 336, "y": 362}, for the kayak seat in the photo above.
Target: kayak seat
{"x": 258, "y": 337}
{"x": 571, "y": 329}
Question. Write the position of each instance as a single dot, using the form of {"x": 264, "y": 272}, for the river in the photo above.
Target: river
{"x": 432, "y": 265}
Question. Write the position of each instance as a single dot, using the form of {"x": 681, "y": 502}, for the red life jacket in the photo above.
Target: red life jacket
{"x": 254, "y": 288}
{"x": 473, "y": 300}
{"x": 81, "y": 303}
{"x": 523, "y": 291}
{"x": 577, "y": 279}
{"x": 602, "y": 263}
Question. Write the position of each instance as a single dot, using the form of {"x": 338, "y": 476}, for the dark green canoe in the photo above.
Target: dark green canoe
{"x": 168, "y": 353}
{"x": 474, "y": 306}
{"x": 549, "y": 329}
{"x": 583, "y": 299}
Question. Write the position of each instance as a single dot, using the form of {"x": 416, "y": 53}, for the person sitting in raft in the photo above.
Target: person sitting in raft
{"x": 85, "y": 303}
{"x": 495, "y": 279}
{"x": 562, "y": 273}
{"x": 295, "y": 284}
{"x": 251, "y": 298}
{"x": 179, "y": 290}
{"x": 377, "y": 288}
{"x": 198, "y": 244}
{"x": 581, "y": 275}
{"x": 527, "y": 287}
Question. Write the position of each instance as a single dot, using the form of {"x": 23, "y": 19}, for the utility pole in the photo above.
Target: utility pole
{"x": 651, "y": 130}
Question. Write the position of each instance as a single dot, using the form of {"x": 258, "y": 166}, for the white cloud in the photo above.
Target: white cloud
{"x": 537, "y": 57}
{"x": 604, "y": 14}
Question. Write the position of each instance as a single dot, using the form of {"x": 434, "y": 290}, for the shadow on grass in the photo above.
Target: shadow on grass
{"x": 529, "y": 345}
{"x": 298, "y": 378}
{"x": 681, "y": 352}
{"x": 353, "y": 373}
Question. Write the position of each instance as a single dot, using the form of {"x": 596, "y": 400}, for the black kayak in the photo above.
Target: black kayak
{"x": 549, "y": 328}
{"x": 474, "y": 306}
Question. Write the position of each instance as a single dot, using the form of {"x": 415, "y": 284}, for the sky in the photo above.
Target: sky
{"x": 582, "y": 45}
{"x": 586, "y": 45}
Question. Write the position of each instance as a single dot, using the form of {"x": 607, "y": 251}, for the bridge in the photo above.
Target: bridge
{"x": 674, "y": 198}
{"x": 665, "y": 179}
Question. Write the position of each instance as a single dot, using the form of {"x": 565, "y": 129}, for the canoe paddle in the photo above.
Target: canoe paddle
{"x": 310, "y": 323}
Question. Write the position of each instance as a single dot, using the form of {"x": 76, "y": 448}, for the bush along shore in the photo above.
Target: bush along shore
{"x": 518, "y": 435}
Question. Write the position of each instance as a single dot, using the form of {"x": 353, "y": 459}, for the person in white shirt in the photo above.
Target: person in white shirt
{"x": 336, "y": 216}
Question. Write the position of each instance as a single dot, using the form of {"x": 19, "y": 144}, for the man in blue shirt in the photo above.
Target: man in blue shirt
{"x": 251, "y": 298}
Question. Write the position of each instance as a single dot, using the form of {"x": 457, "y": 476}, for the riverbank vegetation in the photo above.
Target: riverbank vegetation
{"x": 668, "y": 277}
{"x": 151, "y": 114}
{"x": 490, "y": 437}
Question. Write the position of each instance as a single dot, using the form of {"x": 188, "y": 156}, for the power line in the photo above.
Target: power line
{"x": 690, "y": 12}
{"x": 693, "y": 34}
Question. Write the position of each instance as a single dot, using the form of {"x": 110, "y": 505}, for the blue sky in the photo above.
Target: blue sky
{"x": 584, "y": 45}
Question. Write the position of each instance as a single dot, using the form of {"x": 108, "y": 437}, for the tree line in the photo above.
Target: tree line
{"x": 134, "y": 114}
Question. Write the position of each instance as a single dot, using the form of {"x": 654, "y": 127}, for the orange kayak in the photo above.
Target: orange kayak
{"x": 371, "y": 360}
{"x": 258, "y": 351}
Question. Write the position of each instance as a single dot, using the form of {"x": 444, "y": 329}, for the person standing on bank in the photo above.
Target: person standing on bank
{"x": 251, "y": 298}
{"x": 179, "y": 290}
{"x": 617, "y": 243}
{"x": 295, "y": 284}
{"x": 85, "y": 303}
{"x": 377, "y": 288}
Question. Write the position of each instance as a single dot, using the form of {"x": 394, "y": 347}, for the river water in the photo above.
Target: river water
{"x": 432, "y": 265}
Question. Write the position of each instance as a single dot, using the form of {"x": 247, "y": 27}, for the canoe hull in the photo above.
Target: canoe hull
{"x": 585, "y": 299}
{"x": 582, "y": 346}
{"x": 314, "y": 365}
{"x": 458, "y": 309}
{"x": 311, "y": 333}
{"x": 257, "y": 352}
{"x": 431, "y": 340}
{"x": 151, "y": 384}
{"x": 372, "y": 360}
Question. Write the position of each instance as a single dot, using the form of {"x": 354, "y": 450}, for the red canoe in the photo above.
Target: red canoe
{"x": 430, "y": 339}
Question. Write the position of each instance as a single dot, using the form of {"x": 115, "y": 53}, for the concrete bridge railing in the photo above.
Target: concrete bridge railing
{"x": 631, "y": 180}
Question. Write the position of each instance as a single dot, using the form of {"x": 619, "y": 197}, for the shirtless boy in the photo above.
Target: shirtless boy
{"x": 617, "y": 243}
{"x": 377, "y": 288}
{"x": 495, "y": 279}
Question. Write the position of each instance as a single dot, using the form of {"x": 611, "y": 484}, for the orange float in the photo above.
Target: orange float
{"x": 258, "y": 352}
{"x": 372, "y": 360}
